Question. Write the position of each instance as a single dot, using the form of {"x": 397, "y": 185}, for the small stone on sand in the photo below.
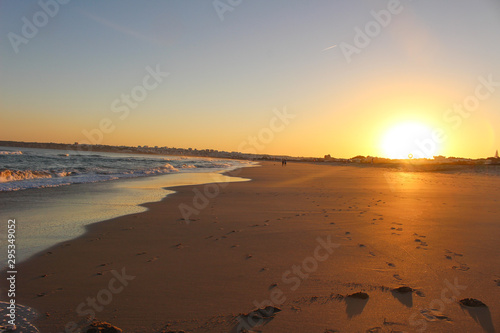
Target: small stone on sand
{"x": 403, "y": 289}
{"x": 359, "y": 295}
{"x": 472, "y": 302}
{"x": 101, "y": 327}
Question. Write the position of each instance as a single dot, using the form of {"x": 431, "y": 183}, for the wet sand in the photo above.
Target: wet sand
{"x": 301, "y": 238}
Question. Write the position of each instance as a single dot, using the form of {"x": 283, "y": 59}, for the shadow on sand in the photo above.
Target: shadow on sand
{"x": 482, "y": 316}
{"x": 354, "y": 306}
{"x": 244, "y": 323}
{"x": 405, "y": 298}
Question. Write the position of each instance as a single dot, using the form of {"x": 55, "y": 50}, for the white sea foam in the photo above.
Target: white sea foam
{"x": 189, "y": 166}
{"x": 37, "y": 168}
{"x": 13, "y": 175}
{"x": 11, "y": 152}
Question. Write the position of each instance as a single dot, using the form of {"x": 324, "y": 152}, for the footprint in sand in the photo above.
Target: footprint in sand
{"x": 420, "y": 293}
{"x": 497, "y": 282}
{"x": 397, "y": 277}
{"x": 462, "y": 267}
{"x": 421, "y": 243}
{"x": 372, "y": 254}
{"x": 105, "y": 264}
{"x": 434, "y": 315}
{"x": 452, "y": 254}
{"x": 390, "y": 264}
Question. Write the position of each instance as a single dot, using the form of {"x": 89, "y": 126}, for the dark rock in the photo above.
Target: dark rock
{"x": 403, "y": 289}
{"x": 359, "y": 295}
{"x": 267, "y": 312}
{"x": 472, "y": 302}
{"x": 102, "y": 327}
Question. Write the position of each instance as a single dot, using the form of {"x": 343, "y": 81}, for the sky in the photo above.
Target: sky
{"x": 302, "y": 78}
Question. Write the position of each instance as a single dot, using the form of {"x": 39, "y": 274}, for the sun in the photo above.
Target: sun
{"x": 409, "y": 140}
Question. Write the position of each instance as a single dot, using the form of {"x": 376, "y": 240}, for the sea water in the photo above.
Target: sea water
{"x": 53, "y": 194}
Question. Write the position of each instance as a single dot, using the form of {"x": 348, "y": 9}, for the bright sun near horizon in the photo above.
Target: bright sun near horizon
{"x": 408, "y": 140}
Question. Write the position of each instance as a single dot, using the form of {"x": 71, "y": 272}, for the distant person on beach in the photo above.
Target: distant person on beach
{"x": 283, "y": 162}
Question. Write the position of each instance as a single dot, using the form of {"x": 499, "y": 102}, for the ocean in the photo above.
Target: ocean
{"x": 26, "y": 168}
{"x": 54, "y": 194}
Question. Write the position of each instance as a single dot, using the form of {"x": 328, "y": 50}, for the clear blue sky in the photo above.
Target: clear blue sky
{"x": 226, "y": 77}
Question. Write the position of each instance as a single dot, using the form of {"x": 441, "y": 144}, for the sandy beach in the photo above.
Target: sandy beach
{"x": 300, "y": 238}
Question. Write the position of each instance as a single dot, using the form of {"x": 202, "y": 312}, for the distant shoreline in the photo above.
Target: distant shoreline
{"x": 403, "y": 164}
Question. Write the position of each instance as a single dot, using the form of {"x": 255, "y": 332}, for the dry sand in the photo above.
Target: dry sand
{"x": 262, "y": 240}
